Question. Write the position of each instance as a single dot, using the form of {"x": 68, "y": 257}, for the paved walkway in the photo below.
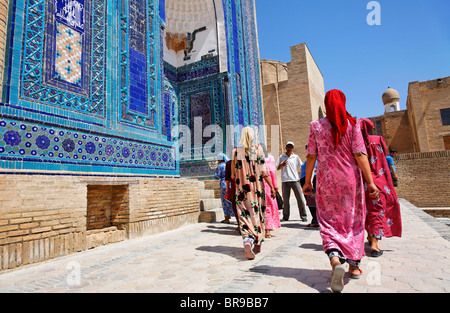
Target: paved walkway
{"x": 209, "y": 258}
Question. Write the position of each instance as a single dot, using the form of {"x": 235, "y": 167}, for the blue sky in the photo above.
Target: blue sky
{"x": 411, "y": 44}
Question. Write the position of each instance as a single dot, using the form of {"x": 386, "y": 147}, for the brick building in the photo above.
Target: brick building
{"x": 421, "y": 135}
{"x": 425, "y": 124}
{"x": 293, "y": 96}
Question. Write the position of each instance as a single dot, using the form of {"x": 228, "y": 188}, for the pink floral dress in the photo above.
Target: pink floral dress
{"x": 272, "y": 215}
{"x": 383, "y": 215}
{"x": 250, "y": 192}
{"x": 340, "y": 195}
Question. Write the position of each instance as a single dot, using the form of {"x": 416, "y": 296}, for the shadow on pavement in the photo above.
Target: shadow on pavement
{"x": 230, "y": 230}
{"x": 316, "y": 279}
{"x": 235, "y": 252}
{"x": 312, "y": 246}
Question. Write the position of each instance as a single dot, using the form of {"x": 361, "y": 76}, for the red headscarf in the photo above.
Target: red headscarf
{"x": 337, "y": 114}
{"x": 366, "y": 126}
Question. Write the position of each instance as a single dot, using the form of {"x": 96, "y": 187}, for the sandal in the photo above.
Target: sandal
{"x": 337, "y": 279}
{"x": 376, "y": 254}
{"x": 356, "y": 276}
{"x": 249, "y": 254}
{"x": 226, "y": 222}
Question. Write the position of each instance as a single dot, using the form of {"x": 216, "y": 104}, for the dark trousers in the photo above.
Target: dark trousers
{"x": 295, "y": 186}
{"x": 312, "y": 209}
{"x": 336, "y": 253}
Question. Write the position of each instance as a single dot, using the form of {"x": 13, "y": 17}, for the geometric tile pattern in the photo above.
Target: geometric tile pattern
{"x": 65, "y": 86}
{"x": 68, "y": 63}
{"x": 243, "y": 62}
{"x": 200, "y": 107}
{"x": 252, "y": 61}
{"x": 37, "y": 145}
{"x": 140, "y": 89}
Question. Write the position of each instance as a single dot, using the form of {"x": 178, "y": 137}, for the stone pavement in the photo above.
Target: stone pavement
{"x": 209, "y": 258}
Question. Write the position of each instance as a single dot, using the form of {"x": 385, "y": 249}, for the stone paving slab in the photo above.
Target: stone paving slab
{"x": 209, "y": 258}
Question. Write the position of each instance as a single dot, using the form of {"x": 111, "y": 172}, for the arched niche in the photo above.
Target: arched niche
{"x": 195, "y": 30}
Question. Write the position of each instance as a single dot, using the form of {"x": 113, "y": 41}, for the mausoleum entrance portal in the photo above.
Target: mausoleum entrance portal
{"x": 211, "y": 66}
{"x": 196, "y": 66}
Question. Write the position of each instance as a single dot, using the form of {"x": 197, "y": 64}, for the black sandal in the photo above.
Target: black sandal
{"x": 376, "y": 254}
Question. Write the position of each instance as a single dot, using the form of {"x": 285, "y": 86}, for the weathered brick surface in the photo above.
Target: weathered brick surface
{"x": 425, "y": 101}
{"x": 424, "y": 178}
{"x": 107, "y": 205}
{"x": 438, "y": 213}
{"x": 293, "y": 95}
{"x": 42, "y": 217}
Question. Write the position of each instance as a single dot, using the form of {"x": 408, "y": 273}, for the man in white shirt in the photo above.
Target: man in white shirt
{"x": 290, "y": 164}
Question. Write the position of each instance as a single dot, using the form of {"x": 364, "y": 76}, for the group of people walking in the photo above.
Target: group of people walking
{"x": 346, "y": 183}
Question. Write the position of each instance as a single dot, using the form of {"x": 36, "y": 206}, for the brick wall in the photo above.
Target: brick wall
{"x": 438, "y": 213}
{"x": 3, "y": 25}
{"x": 160, "y": 204}
{"x": 42, "y": 217}
{"x": 425, "y": 100}
{"x": 299, "y": 97}
{"x": 424, "y": 178}
{"x": 398, "y": 132}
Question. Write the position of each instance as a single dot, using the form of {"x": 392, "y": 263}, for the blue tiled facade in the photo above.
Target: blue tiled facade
{"x": 87, "y": 88}
{"x": 235, "y": 96}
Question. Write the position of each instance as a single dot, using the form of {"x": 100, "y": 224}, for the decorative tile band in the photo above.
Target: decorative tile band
{"x": 22, "y": 141}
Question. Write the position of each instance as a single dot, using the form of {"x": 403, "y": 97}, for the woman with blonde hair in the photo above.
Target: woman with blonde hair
{"x": 249, "y": 172}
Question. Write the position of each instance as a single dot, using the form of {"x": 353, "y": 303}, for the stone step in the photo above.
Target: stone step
{"x": 211, "y": 216}
{"x": 212, "y": 184}
{"x": 211, "y": 210}
{"x": 206, "y": 194}
{"x": 210, "y": 204}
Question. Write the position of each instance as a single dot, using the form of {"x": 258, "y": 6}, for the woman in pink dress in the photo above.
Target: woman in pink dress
{"x": 337, "y": 144}
{"x": 383, "y": 215}
{"x": 272, "y": 214}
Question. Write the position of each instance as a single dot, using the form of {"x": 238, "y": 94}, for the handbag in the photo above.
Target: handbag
{"x": 229, "y": 195}
{"x": 280, "y": 201}
{"x": 311, "y": 199}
